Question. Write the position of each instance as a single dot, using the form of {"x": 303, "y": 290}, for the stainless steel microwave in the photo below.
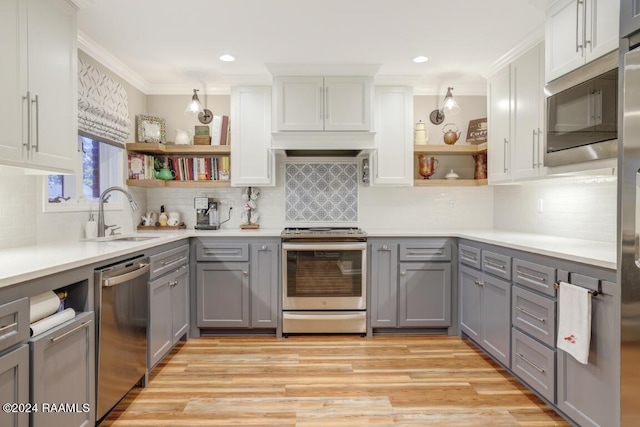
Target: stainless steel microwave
{"x": 582, "y": 114}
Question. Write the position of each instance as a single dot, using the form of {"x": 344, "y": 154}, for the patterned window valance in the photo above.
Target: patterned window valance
{"x": 103, "y": 105}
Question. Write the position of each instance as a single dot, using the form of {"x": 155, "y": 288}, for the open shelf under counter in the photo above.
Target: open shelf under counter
{"x": 156, "y": 183}
{"x": 450, "y": 149}
{"x": 182, "y": 149}
{"x": 449, "y": 182}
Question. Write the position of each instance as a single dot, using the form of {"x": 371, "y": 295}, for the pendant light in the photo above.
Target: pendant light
{"x": 449, "y": 106}
{"x": 195, "y": 108}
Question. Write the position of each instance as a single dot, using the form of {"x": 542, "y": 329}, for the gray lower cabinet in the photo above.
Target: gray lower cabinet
{"x": 62, "y": 373}
{"x": 264, "y": 285}
{"x": 586, "y": 393}
{"x": 168, "y": 313}
{"x": 410, "y": 283}
{"x": 14, "y": 385}
{"x": 485, "y": 314}
{"x": 425, "y": 294}
{"x": 384, "y": 285}
{"x": 237, "y": 283}
{"x": 223, "y": 294}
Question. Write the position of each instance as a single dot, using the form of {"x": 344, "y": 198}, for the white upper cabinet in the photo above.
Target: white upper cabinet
{"x": 323, "y": 103}
{"x": 252, "y": 162}
{"x": 38, "y": 85}
{"x": 516, "y": 118}
{"x": 499, "y": 126}
{"x": 393, "y": 158}
{"x": 577, "y": 32}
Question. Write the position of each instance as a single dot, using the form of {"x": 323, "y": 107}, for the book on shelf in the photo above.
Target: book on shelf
{"x": 213, "y": 168}
{"x": 137, "y": 166}
{"x": 219, "y": 130}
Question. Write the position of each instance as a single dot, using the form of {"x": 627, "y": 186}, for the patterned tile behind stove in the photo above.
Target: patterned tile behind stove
{"x": 321, "y": 192}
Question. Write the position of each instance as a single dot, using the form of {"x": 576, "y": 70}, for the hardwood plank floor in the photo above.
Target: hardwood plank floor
{"x": 330, "y": 381}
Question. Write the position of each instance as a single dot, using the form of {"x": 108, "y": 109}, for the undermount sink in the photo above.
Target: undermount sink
{"x": 134, "y": 238}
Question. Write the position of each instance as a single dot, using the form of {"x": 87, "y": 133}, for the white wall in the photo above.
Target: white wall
{"x": 582, "y": 208}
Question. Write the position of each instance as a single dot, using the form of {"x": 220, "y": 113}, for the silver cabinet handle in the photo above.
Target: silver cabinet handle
{"x": 173, "y": 283}
{"x": 326, "y": 103}
{"x": 531, "y": 276}
{"x": 578, "y": 3}
{"x": 28, "y": 99}
{"x": 495, "y": 265}
{"x": 77, "y": 328}
{"x": 584, "y": 26}
{"x": 35, "y": 101}
{"x": 479, "y": 282}
{"x": 215, "y": 252}
{"x": 538, "y": 150}
{"x": 9, "y": 326}
{"x": 426, "y": 252}
{"x": 539, "y": 319}
{"x": 505, "y": 155}
{"x": 533, "y": 150}
{"x": 321, "y": 98}
{"x": 468, "y": 257}
{"x": 171, "y": 261}
{"x": 536, "y": 367}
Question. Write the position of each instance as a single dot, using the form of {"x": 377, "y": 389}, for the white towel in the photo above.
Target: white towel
{"x": 574, "y": 321}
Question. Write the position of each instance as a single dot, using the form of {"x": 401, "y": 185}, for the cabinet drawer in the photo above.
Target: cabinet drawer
{"x": 534, "y": 276}
{"x": 496, "y": 264}
{"x": 168, "y": 260}
{"x": 470, "y": 256}
{"x": 14, "y": 323}
{"x": 426, "y": 250}
{"x": 534, "y": 314}
{"x": 222, "y": 252}
{"x": 534, "y": 363}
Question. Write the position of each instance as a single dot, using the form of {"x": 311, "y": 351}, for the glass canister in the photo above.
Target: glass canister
{"x": 420, "y": 134}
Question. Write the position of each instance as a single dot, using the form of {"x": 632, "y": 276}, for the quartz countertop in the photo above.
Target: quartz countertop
{"x": 25, "y": 263}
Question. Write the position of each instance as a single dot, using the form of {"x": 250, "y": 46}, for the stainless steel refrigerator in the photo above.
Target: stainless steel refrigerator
{"x": 628, "y": 275}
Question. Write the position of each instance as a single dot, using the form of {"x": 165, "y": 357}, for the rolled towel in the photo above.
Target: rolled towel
{"x": 52, "y": 321}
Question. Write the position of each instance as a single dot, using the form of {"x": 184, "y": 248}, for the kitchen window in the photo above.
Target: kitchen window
{"x": 101, "y": 169}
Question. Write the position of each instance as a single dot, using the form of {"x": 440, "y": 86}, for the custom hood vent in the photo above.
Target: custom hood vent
{"x": 322, "y": 153}
{"x": 323, "y": 144}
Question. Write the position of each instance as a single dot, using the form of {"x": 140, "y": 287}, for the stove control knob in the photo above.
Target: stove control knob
{"x": 351, "y": 231}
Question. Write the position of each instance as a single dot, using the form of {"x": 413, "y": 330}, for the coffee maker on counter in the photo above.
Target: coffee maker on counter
{"x": 207, "y": 214}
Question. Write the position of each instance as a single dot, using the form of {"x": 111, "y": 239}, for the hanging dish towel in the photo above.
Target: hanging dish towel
{"x": 574, "y": 321}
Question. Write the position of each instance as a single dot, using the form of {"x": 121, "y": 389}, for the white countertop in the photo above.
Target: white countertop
{"x": 21, "y": 264}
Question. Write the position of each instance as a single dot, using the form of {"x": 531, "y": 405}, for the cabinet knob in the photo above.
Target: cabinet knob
{"x": 385, "y": 247}
{"x": 479, "y": 283}
{"x": 245, "y": 273}
{"x": 402, "y": 273}
{"x": 263, "y": 247}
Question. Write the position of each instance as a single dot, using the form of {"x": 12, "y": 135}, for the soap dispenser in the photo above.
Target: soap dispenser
{"x": 163, "y": 217}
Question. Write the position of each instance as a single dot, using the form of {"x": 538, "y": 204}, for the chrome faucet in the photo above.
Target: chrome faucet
{"x": 103, "y": 198}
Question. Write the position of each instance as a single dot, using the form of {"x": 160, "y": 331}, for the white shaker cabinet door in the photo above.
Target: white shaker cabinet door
{"x": 252, "y": 162}
{"x": 564, "y": 38}
{"x": 13, "y": 80}
{"x": 602, "y": 18}
{"x": 393, "y": 157}
{"x": 499, "y": 116}
{"x": 299, "y": 103}
{"x": 53, "y": 76}
{"x": 347, "y": 103}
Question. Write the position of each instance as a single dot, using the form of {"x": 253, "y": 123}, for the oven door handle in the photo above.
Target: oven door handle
{"x": 345, "y": 246}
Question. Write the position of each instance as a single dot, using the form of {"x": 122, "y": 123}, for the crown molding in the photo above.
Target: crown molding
{"x": 222, "y": 86}
{"x": 530, "y": 41}
{"x": 104, "y": 57}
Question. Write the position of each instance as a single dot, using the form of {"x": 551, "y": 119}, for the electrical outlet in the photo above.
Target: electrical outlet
{"x": 452, "y": 205}
{"x": 540, "y": 206}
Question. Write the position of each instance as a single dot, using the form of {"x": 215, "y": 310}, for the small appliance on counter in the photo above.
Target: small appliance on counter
{"x": 207, "y": 214}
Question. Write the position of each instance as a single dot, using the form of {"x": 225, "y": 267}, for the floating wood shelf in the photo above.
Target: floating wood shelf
{"x": 157, "y": 183}
{"x": 449, "y": 182}
{"x": 450, "y": 149}
{"x": 179, "y": 150}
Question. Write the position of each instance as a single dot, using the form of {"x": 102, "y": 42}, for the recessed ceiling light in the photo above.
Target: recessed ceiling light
{"x": 227, "y": 58}
{"x": 420, "y": 59}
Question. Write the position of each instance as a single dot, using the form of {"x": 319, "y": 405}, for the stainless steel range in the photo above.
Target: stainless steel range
{"x": 324, "y": 280}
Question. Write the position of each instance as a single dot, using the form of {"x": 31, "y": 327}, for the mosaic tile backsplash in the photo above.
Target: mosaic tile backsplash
{"x": 321, "y": 192}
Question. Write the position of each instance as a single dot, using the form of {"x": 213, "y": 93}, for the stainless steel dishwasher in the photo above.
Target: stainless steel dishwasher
{"x": 121, "y": 307}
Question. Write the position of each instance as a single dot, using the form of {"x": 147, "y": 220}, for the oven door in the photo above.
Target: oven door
{"x": 324, "y": 276}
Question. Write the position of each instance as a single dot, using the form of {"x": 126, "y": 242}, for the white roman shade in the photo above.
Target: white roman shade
{"x": 103, "y": 106}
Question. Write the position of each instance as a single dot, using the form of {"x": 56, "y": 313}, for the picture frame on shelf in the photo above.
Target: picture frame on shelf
{"x": 477, "y": 131}
{"x": 150, "y": 129}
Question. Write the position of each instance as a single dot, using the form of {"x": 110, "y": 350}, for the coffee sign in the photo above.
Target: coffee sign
{"x": 477, "y": 131}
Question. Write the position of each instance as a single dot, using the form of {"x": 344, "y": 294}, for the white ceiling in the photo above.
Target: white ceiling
{"x": 170, "y": 46}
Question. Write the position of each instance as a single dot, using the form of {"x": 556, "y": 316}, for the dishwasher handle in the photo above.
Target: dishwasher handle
{"x": 143, "y": 268}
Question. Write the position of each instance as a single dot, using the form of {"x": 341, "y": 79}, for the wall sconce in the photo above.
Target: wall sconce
{"x": 449, "y": 105}
{"x": 195, "y": 108}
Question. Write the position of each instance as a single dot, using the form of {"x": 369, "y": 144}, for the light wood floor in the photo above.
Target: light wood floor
{"x": 330, "y": 381}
